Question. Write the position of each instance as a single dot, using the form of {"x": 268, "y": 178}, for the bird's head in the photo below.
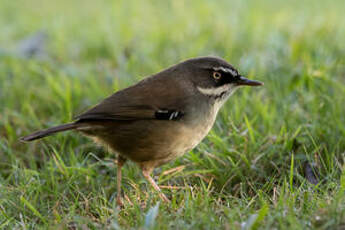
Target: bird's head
{"x": 214, "y": 77}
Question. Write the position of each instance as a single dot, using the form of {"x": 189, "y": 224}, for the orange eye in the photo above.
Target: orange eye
{"x": 217, "y": 75}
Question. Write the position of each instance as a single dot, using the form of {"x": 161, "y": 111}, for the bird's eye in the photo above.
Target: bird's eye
{"x": 217, "y": 75}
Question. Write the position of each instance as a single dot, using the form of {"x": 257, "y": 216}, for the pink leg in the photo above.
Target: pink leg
{"x": 146, "y": 173}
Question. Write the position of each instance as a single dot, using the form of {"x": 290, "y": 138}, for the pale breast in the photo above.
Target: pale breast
{"x": 191, "y": 135}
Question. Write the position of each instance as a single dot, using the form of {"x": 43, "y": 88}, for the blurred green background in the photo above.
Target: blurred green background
{"x": 256, "y": 169}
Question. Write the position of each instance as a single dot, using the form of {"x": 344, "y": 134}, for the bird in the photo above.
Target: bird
{"x": 159, "y": 118}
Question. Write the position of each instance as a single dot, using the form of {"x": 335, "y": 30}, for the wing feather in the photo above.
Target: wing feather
{"x": 145, "y": 100}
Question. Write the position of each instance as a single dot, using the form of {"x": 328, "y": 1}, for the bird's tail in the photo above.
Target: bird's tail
{"x": 47, "y": 132}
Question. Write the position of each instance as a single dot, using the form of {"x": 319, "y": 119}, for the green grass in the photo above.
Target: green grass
{"x": 247, "y": 174}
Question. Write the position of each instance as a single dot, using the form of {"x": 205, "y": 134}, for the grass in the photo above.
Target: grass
{"x": 249, "y": 173}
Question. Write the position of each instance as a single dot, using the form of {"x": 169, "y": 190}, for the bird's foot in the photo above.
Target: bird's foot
{"x": 164, "y": 198}
{"x": 119, "y": 202}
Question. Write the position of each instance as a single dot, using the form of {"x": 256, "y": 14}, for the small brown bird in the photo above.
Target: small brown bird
{"x": 161, "y": 117}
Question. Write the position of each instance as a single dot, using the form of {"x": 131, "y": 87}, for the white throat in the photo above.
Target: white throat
{"x": 221, "y": 94}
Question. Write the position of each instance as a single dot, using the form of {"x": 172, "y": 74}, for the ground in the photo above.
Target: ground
{"x": 274, "y": 159}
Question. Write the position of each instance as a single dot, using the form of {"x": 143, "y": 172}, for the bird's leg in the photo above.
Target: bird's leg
{"x": 146, "y": 173}
{"x": 120, "y": 162}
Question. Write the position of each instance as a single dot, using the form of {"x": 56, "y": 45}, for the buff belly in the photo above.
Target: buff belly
{"x": 149, "y": 140}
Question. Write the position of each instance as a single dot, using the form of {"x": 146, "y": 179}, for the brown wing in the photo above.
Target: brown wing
{"x": 152, "y": 98}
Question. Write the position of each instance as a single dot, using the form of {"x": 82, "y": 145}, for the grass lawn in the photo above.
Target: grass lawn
{"x": 275, "y": 159}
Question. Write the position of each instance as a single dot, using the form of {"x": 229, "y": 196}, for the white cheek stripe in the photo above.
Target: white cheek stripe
{"x": 215, "y": 91}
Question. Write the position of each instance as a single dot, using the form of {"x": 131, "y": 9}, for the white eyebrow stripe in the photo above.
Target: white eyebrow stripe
{"x": 227, "y": 70}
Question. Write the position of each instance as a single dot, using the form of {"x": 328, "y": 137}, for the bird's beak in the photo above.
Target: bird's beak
{"x": 245, "y": 81}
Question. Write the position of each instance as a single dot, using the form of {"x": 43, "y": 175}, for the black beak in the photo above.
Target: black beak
{"x": 245, "y": 81}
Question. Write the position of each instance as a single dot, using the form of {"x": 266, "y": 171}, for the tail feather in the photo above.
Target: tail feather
{"x": 50, "y": 131}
